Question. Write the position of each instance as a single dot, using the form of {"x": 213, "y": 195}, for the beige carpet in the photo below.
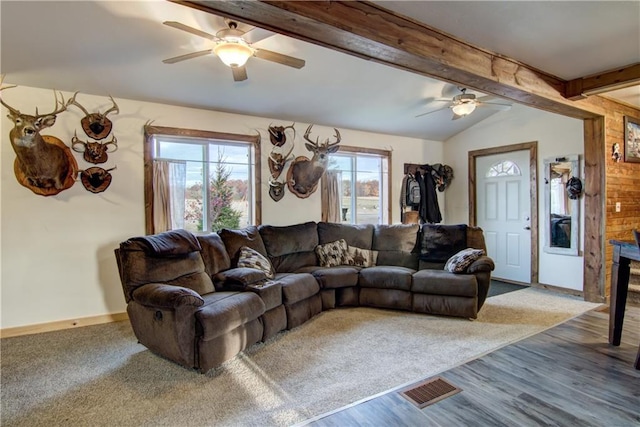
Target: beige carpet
{"x": 100, "y": 376}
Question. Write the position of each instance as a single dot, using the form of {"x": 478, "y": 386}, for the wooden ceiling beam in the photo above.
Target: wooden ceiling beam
{"x": 606, "y": 81}
{"x": 367, "y": 31}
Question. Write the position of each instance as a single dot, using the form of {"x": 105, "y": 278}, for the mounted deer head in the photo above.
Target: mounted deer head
{"x": 96, "y": 179}
{"x": 277, "y": 161}
{"x": 43, "y": 163}
{"x": 95, "y": 125}
{"x": 276, "y": 190}
{"x": 277, "y": 134}
{"x": 304, "y": 173}
{"x": 93, "y": 151}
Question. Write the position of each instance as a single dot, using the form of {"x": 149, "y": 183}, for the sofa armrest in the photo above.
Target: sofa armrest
{"x": 161, "y": 295}
{"x": 239, "y": 277}
{"x": 484, "y": 263}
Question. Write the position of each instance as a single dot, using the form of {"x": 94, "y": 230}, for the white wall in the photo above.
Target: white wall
{"x": 556, "y": 136}
{"x": 57, "y": 252}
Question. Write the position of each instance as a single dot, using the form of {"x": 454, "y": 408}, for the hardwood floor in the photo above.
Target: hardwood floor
{"x": 566, "y": 376}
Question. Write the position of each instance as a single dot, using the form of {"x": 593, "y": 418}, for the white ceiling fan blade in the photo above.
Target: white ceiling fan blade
{"x": 188, "y": 29}
{"x": 239, "y": 73}
{"x": 256, "y": 34}
{"x": 431, "y": 112}
{"x": 280, "y": 58}
{"x": 187, "y": 56}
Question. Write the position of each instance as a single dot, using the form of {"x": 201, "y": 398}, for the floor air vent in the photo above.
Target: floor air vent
{"x": 429, "y": 392}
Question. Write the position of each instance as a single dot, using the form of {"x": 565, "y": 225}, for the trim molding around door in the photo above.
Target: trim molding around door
{"x": 532, "y": 147}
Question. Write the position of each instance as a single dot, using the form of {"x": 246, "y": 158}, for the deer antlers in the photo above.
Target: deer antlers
{"x": 326, "y": 143}
{"x": 95, "y": 125}
{"x": 59, "y": 108}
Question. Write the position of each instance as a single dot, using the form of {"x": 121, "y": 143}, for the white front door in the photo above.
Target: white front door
{"x": 503, "y": 212}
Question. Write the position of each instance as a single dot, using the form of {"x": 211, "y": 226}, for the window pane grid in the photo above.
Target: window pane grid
{"x": 224, "y": 199}
{"x": 363, "y": 180}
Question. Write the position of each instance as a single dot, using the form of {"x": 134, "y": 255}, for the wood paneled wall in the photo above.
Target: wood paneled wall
{"x": 622, "y": 184}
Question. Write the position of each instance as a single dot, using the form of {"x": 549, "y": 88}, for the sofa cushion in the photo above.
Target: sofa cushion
{"x": 291, "y": 247}
{"x": 386, "y": 277}
{"x": 440, "y": 282}
{"x": 138, "y": 268}
{"x": 475, "y": 238}
{"x": 395, "y": 244}
{"x": 297, "y": 287}
{"x": 214, "y": 253}
{"x": 169, "y": 243}
{"x": 359, "y": 257}
{"x": 250, "y": 258}
{"x": 441, "y": 242}
{"x": 234, "y": 240}
{"x": 459, "y": 262}
{"x": 336, "y": 277}
{"x": 333, "y": 254}
{"x": 360, "y": 235}
{"x": 289, "y": 239}
{"x": 222, "y": 312}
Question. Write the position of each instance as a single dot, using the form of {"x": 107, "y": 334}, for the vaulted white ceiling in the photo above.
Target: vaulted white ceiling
{"x": 117, "y": 48}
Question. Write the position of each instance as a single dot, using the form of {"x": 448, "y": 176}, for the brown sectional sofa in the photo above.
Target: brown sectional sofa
{"x": 188, "y": 300}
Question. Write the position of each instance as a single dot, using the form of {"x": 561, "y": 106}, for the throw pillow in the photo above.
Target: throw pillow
{"x": 462, "y": 260}
{"x": 333, "y": 253}
{"x": 362, "y": 257}
{"x": 250, "y": 258}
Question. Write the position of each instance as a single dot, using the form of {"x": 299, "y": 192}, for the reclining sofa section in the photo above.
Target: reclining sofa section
{"x": 193, "y": 300}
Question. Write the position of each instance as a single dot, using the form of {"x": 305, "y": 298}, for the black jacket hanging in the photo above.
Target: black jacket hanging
{"x": 429, "y": 207}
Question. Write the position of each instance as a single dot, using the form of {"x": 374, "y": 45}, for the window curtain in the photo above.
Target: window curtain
{"x": 331, "y": 196}
{"x": 169, "y": 180}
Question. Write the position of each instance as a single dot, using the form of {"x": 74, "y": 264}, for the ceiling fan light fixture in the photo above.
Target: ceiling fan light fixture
{"x": 234, "y": 53}
{"x": 464, "y": 108}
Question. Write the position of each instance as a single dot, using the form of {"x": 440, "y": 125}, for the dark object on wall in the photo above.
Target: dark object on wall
{"x": 574, "y": 188}
{"x": 278, "y": 160}
{"x": 94, "y": 152}
{"x": 276, "y": 190}
{"x": 95, "y": 125}
{"x": 304, "y": 173}
{"x": 615, "y": 152}
{"x": 277, "y": 134}
{"x": 44, "y": 164}
{"x": 443, "y": 175}
{"x": 96, "y": 179}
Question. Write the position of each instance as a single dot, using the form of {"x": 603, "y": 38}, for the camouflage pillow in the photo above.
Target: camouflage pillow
{"x": 333, "y": 253}
{"x": 362, "y": 257}
{"x": 251, "y": 258}
{"x": 462, "y": 260}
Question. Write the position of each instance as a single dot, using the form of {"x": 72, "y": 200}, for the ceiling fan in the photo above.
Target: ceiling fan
{"x": 464, "y": 104}
{"x": 232, "y": 47}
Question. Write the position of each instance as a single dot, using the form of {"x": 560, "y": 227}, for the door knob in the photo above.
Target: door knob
{"x": 527, "y": 227}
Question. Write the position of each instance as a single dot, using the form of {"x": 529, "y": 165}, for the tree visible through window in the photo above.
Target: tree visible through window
{"x": 363, "y": 177}
{"x": 217, "y": 189}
